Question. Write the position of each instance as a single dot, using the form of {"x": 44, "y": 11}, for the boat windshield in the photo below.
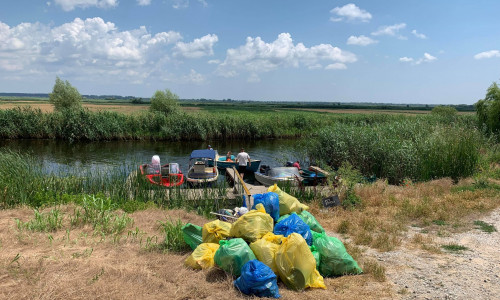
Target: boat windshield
{"x": 284, "y": 172}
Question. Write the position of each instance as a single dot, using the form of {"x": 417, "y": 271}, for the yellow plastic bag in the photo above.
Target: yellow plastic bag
{"x": 296, "y": 264}
{"x": 265, "y": 249}
{"x": 288, "y": 203}
{"x": 202, "y": 257}
{"x": 253, "y": 225}
{"x": 213, "y": 232}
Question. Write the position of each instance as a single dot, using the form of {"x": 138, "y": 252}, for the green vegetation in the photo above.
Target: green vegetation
{"x": 454, "y": 247}
{"x": 174, "y": 238}
{"x": 418, "y": 149}
{"x": 488, "y": 228}
{"x": 64, "y": 96}
{"x": 44, "y": 222}
{"x": 164, "y": 102}
{"x": 488, "y": 110}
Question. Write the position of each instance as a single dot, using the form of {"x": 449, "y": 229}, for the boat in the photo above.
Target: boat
{"x": 269, "y": 176}
{"x": 202, "y": 167}
{"x": 222, "y": 163}
{"x": 312, "y": 177}
{"x": 168, "y": 175}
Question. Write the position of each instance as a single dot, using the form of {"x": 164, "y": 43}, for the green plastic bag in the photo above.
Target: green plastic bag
{"x": 309, "y": 219}
{"x": 334, "y": 259}
{"x": 192, "y": 235}
{"x": 315, "y": 253}
{"x": 232, "y": 255}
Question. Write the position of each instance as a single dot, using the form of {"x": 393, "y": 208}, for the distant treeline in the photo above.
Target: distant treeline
{"x": 230, "y": 103}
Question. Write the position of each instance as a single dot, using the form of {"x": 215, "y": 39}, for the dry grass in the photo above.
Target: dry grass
{"x": 119, "y": 108}
{"x": 76, "y": 265}
{"x": 388, "y": 210}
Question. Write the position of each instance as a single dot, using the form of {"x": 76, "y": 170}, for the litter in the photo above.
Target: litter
{"x": 232, "y": 255}
{"x": 253, "y": 225}
{"x": 334, "y": 259}
{"x": 202, "y": 257}
{"x": 288, "y": 203}
{"x": 294, "y": 224}
{"x": 257, "y": 279}
{"x": 213, "y": 232}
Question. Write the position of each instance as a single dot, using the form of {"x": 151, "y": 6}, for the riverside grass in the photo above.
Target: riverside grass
{"x": 84, "y": 124}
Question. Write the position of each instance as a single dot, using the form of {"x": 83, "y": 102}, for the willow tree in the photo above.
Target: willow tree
{"x": 488, "y": 109}
{"x": 64, "y": 96}
{"x": 164, "y": 102}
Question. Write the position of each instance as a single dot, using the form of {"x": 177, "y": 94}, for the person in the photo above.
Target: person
{"x": 210, "y": 147}
{"x": 155, "y": 167}
{"x": 243, "y": 159}
{"x": 228, "y": 157}
{"x": 296, "y": 165}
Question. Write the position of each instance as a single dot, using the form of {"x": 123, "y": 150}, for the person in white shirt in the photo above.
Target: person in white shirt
{"x": 243, "y": 159}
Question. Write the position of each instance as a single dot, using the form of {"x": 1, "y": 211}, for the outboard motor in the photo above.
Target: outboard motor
{"x": 289, "y": 164}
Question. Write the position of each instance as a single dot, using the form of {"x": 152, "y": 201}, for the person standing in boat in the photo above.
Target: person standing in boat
{"x": 243, "y": 159}
{"x": 228, "y": 156}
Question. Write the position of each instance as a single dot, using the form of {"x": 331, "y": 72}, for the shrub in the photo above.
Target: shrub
{"x": 488, "y": 110}
{"x": 64, "y": 96}
{"x": 164, "y": 102}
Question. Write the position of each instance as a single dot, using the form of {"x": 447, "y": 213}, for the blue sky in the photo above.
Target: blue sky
{"x": 435, "y": 52}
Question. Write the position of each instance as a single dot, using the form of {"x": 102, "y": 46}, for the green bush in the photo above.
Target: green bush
{"x": 164, "y": 102}
{"x": 488, "y": 110}
{"x": 64, "y": 96}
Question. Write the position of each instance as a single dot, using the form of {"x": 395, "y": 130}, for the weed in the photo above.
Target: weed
{"x": 44, "y": 222}
{"x": 439, "y": 222}
{"x": 343, "y": 227}
{"x": 489, "y": 228}
{"x": 375, "y": 269}
{"x": 174, "y": 238}
{"x": 454, "y": 247}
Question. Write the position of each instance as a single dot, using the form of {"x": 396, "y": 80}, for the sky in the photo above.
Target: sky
{"x": 394, "y": 51}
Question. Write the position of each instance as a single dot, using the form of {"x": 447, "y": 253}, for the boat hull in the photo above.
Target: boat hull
{"x": 253, "y": 167}
{"x": 163, "y": 178}
{"x": 268, "y": 181}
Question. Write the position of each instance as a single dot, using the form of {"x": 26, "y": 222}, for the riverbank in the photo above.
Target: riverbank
{"x": 78, "y": 259}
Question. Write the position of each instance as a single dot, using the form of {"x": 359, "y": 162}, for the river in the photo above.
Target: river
{"x": 61, "y": 156}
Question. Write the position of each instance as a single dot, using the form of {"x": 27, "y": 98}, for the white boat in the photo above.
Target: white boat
{"x": 202, "y": 167}
{"x": 289, "y": 175}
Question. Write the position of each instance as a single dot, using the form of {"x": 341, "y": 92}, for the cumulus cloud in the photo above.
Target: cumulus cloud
{"x": 214, "y": 62}
{"x": 418, "y": 35}
{"x": 487, "y": 54}
{"x": 69, "y": 5}
{"x": 143, "y": 2}
{"x": 349, "y": 12}
{"x": 425, "y": 59}
{"x": 94, "y": 47}
{"x": 406, "y": 59}
{"x": 392, "y": 30}
{"x": 257, "y": 56}
{"x": 194, "y": 77}
{"x": 360, "y": 40}
{"x": 197, "y": 48}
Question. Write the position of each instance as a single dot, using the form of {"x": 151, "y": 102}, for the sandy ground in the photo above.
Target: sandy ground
{"x": 78, "y": 265}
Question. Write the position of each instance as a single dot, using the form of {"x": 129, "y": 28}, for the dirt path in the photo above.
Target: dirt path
{"x": 469, "y": 274}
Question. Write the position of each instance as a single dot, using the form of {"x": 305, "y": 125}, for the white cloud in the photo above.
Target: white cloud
{"x": 197, "y": 48}
{"x": 425, "y": 59}
{"x": 253, "y": 78}
{"x": 487, "y": 54}
{"x": 360, "y": 40}
{"x": 406, "y": 59}
{"x": 68, "y": 5}
{"x": 92, "y": 50}
{"x": 392, "y": 30}
{"x": 194, "y": 77}
{"x": 203, "y": 2}
{"x": 350, "y": 12}
{"x": 143, "y": 2}
{"x": 214, "y": 62}
{"x": 179, "y": 4}
{"x": 418, "y": 35}
{"x": 336, "y": 66}
{"x": 257, "y": 56}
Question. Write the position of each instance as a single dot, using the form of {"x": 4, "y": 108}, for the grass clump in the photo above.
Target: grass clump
{"x": 173, "y": 236}
{"x": 375, "y": 269}
{"x": 454, "y": 247}
{"x": 483, "y": 226}
{"x": 42, "y": 222}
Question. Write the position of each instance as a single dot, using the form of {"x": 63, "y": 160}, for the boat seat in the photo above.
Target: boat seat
{"x": 199, "y": 167}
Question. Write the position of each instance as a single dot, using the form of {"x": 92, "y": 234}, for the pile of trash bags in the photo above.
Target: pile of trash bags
{"x": 277, "y": 238}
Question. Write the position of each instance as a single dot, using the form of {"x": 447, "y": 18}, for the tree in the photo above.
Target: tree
{"x": 165, "y": 102}
{"x": 488, "y": 109}
{"x": 64, "y": 96}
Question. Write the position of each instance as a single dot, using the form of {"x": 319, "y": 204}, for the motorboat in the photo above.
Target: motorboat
{"x": 269, "y": 176}
{"x": 202, "y": 167}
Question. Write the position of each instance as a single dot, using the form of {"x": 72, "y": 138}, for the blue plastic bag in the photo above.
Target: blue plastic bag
{"x": 257, "y": 279}
{"x": 294, "y": 224}
{"x": 271, "y": 202}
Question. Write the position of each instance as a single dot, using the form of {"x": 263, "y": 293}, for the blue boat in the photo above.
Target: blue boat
{"x": 222, "y": 163}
